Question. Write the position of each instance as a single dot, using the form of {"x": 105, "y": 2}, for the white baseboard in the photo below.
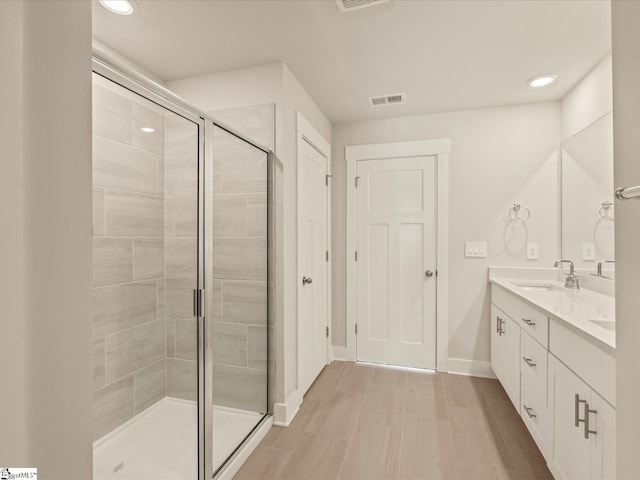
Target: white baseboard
{"x": 232, "y": 467}
{"x": 340, "y": 353}
{"x": 283, "y": 413}
{"x": 473, "y": 368}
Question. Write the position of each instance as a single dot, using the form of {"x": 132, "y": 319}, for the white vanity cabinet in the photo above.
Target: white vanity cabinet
{"x": 584, "y": 428}
{"x": 505, "y": 353}
{"x": 561, "y": 383}
{"x": 519, "y": 361}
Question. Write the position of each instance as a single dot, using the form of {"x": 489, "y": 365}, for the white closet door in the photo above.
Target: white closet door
{"x": 312, "y": 265}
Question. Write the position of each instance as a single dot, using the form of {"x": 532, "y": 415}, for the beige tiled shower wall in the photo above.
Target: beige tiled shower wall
{"x": 128, "y": 258}
{"x": 144, "y": 234}
{"x": 240, "y": 258}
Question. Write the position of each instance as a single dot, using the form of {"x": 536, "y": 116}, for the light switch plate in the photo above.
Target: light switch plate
{"x": 588, "y": 251}
{"x": 475, "y": 249}
{"x": 532, "y": 251}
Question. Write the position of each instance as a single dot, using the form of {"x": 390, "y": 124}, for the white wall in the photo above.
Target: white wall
{"x": 12, "y": 341}
{"x": 499, "y": 156}
{"x": 271, "y": 83}
{"x": 107, "y": 53}
{"x": 589, "y": 100}
{"x": 57, "y": 237}
{"x": 296, "y": 99}
{"x": 237, "y": 88}
{"x": 45, "y": 205}
{"x": 626, "y": 118}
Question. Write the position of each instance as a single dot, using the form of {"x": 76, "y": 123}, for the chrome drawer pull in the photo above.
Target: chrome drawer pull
{"x": 587, "y": 412}
{"x": 499, "y": 323}
{"x": 529, "y": 410}
{"x": 531, "y": 323}
{"x": 578, "y": 420}
{"x": 528, "y": 362}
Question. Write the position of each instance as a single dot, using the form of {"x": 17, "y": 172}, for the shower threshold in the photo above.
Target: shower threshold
{"x": 161, "y": 442}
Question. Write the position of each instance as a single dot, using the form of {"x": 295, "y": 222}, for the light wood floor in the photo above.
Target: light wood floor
{"x": 366, "y": 422}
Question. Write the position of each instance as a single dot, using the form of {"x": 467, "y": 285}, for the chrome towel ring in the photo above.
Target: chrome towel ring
{"x": 606, "y": 210}
{"x": 519, "y": 213}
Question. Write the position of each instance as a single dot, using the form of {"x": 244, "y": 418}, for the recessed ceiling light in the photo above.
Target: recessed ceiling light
{"x": 121, "y": 7}
{"x": 148, "y": 129}
{"x": 542, "y": 80}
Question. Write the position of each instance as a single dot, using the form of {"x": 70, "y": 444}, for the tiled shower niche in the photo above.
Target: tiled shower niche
{"x": 145, "y": 164}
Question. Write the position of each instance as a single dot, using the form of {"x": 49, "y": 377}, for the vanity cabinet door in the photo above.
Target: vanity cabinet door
{"x": 602, "y": 420}
{"x": 571, "y": 451}
{"x": 497, "y": 348}
{"x": 505, "y": 353}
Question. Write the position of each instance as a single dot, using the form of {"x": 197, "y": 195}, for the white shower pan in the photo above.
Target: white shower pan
{"x": 161, "y": 443}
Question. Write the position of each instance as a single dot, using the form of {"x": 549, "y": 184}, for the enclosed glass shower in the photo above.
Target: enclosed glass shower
{"x": 181, "y": 293}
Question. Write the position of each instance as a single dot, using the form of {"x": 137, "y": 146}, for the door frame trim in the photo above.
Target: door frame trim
{"x": 440, "y": 148}
{"x": 305, "y": 132}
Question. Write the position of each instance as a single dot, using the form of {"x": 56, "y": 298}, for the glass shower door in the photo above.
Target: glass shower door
{"x": 175, "y": 394}
{"x": 145, "y": 269}
{"x": 240, "y": 327}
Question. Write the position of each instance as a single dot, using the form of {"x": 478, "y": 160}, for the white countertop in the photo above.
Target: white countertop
{"x": 573, "y": 308}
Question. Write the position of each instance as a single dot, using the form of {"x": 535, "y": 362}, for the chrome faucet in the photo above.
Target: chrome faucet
{"x": 571, "y": 280}
{"x": 600, "y": 264}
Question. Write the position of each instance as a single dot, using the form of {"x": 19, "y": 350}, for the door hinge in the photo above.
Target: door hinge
{"x": 198, "y": 302}
{"x": 327, "y": 332}
{"x": 356, "y": 328}
{"x": 327, "y": 256}
{"x": 326, "y": 179}
{"x": 356, "y": 256}
{"x": 357, "y": 181}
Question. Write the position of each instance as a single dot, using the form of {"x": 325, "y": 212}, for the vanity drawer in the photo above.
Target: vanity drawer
{"x": 532, "y": 320}
{"x": 592, "y": 364}
{"x": 534, "y": 359}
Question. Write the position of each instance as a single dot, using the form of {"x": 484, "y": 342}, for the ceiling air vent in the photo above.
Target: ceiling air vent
{"x": 350, "y": 5}
{"x": 392, "y": 99}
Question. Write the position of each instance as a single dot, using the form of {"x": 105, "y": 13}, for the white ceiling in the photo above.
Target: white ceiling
{"x": 446, "y": 55}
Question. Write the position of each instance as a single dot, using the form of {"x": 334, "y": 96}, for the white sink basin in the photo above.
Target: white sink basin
{"x": 535, "y": 287}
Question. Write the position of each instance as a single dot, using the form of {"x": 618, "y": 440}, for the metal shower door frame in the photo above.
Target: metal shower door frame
{"x": 165, "y": 99}
{"x": 203, "y": 296}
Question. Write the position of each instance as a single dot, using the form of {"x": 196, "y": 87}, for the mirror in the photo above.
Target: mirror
{"x": 587, "y": 197}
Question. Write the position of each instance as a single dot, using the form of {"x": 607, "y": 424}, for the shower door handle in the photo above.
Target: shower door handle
{"x": 306, "y": 280}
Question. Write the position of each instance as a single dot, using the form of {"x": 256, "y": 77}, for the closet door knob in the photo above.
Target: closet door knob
{"x": 306, "y": 280}
{"x": 428, "y": 274}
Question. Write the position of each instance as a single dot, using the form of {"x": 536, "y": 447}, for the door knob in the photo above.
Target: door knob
{"x": 306, "y": 280}
{"x": 428, "y": 274}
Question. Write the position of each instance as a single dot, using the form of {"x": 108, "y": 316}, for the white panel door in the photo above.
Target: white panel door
{"x": 312, "y": 265}
{"x": 396, "y": 263}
